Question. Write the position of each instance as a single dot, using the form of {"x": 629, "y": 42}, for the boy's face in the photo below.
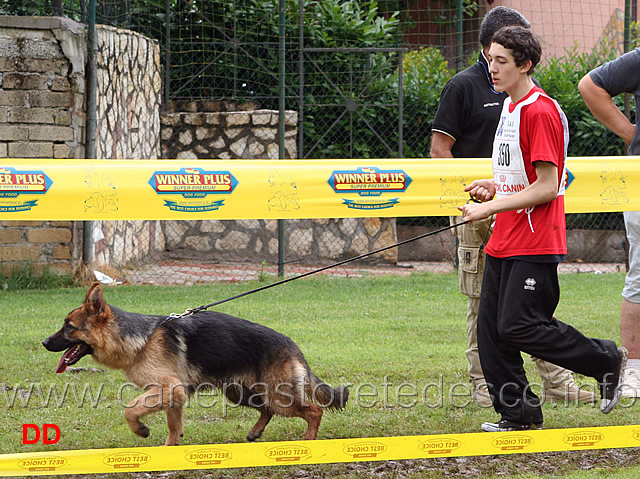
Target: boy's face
{"x": 504, "y": 72}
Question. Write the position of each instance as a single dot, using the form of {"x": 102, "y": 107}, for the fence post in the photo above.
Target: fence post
{"x": 90, "y": 141}
{"x": 281, "y": 127}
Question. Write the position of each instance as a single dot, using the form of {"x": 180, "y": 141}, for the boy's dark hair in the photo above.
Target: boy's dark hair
{"x": 497, "y": 18}
{"x": 522, "y": 42}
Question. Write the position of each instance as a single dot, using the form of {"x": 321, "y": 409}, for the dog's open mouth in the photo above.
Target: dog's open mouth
{"x": 72, "y": 356}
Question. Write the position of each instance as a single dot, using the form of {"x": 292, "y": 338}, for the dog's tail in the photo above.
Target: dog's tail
{"x": 324, "y": 395}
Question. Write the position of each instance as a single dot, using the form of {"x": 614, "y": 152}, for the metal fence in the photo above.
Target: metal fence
{"x": 364, "y": 79}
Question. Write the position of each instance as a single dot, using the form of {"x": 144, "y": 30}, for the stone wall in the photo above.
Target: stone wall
{"x": 313, "y": 241}
{"x": 129, "y": 95}
{"x": 128, "y": 127}
{"x": 227, "y": 135}
{"x": 253, "y": 134}
{"x": 41, "y": 116}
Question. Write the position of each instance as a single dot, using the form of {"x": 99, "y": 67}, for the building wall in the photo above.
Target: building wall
{"x": 566, "y": 24}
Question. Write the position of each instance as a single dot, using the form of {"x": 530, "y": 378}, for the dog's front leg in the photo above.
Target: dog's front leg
{"x": 144, "y": 404}
{"x": 171, "y": 398}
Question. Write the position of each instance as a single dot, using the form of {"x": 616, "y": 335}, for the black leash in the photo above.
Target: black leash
{"x": 191, "y": 311}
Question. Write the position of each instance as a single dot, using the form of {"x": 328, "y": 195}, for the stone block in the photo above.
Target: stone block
{"x": 51, "y": 99}
{"x": 24, "y": 81}
{"x": 202, "y": 133}
{"x": 7, "y": 64}
{"x": 217, "y": 143}
{"x": 14, "y": 132}
{"x": 42, "y": 65}
{"x": 10, "y": 235}
{"x": 170, "y": 119}
{"x": 49, "y": 235}
{"x": 185, "y": 138}
{"x": 62, "y": 118}
{"x": 61, "y": 151}
{"x": 235, "y": 241}
{"x": 186, "y": 155}
{"x": 193, "y": 119}
{"x": 267, "y": 134}
{"x": 50, "y": 133}
{"x": 291, "y": 118}
{"x": 256, "y": 150}
{"x": 32, "y": 115}
{"x": 30, "y": 150}
{"x": 19, "y": 253}
{"x": 231, "y": 133}
{"x": 238, "y": 119}
{"x": 211, "y": 106}
{"x": 262, "y": 118}
{"x": 212, "y": 118}
{"x": 14, "y": 98}
{"x": 166, "y": 133}
{"x": 62, "y": 252}
{"x": 238, "y": 147}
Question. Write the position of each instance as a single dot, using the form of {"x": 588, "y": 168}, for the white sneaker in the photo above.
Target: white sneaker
{"x": 630, "y": 386}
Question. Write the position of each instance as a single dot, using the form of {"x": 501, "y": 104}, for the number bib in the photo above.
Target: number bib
{"x": 509, "y": 173}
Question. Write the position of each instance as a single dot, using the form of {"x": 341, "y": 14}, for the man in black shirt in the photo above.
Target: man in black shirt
{"x": 464, "y": 127}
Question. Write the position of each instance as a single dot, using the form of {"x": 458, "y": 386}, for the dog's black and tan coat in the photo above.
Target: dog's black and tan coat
{"x": 251, "y": 364}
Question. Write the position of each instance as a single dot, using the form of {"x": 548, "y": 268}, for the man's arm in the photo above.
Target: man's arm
{"x": 605, "y": 110}
{"x": 543, "y": 190}
{"x": 441, "y": 145}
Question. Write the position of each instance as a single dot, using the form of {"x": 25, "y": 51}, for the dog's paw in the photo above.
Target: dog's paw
{"x": 143, "y": 431}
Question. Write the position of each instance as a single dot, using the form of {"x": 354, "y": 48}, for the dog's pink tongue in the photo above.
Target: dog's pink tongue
{"x": 62, "y": 365}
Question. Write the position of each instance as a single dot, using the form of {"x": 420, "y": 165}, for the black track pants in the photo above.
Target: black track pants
{"x": 517, "y": 303}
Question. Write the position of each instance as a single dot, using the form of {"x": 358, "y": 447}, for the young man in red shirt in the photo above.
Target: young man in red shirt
{"x": 520, "y": 289}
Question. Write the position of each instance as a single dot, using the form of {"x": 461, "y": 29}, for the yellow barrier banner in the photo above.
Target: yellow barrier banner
{"x": 213, "y": 456}
{"x": 279, "y": 189}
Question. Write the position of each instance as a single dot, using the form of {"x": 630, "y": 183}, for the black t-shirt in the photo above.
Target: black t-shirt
{"x": 469, "y": 111}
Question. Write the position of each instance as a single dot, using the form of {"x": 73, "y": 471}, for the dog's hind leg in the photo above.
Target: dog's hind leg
{"x": 289, "y": 397}
{"x": 258, "y": 429}
{"x": 312, "y": 414}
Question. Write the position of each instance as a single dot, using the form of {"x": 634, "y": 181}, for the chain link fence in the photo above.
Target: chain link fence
{"x": 363, "y": 80}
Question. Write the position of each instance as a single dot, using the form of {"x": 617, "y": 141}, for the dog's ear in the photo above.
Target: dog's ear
{"x": 95, "y": 303}
{"x": 95, "y": 285}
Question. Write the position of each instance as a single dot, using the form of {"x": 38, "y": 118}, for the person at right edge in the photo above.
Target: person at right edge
{"x": 463, "y": 127}
{"x": 598, "y": 87}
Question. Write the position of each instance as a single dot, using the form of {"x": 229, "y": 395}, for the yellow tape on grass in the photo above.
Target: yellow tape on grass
{"x": 262, "y": 454}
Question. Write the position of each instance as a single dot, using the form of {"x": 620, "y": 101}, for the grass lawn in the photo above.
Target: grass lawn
{"x": 398, "y": 342}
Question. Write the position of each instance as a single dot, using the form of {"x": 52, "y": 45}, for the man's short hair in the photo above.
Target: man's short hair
{"x": 497, "y": 18}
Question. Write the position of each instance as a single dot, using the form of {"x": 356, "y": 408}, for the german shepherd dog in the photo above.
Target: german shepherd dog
{"x": 251, "y": 364}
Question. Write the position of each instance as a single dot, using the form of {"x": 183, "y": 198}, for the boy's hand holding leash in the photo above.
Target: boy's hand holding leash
{"x": 478, "y": 208}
